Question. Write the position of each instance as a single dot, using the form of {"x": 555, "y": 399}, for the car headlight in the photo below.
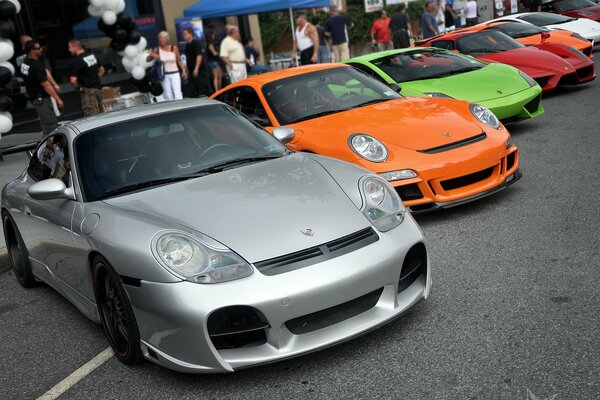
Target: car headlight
{"x": 439, "y": 95}
{"x": 381, "y": 204}
{"x": 368, "y": 147}
{"x": 198, "y": 261}
{"x": 484, "y": 115}
{"x": 528, "y": 79}
{"x": 398, "y": 175}
{"x": 578, "y": 36}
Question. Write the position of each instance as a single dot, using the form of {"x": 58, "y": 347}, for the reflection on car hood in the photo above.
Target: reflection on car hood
{"x": 490, "y": 82}
{"x": 413, "y": 123}
{"x": 531, "y": 57}
{"x": 258, "y": 210}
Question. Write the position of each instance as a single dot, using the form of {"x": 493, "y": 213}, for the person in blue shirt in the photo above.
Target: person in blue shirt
{"x": 252, "y": 56}
{"x": 336, "y": 28}
{"x": 428, "y": 22}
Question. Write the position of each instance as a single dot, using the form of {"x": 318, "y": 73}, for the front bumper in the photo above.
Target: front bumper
{"x": 172, "y": 317}
{"x": 518, "y": 106}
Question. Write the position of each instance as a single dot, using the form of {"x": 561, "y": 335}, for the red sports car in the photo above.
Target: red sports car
{"x": 574, "y": 8}
{"x": 570, "y": 67}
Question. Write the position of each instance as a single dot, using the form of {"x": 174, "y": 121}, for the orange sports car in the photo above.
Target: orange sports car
{"x": 531, "y": 35}
{"x": 436, "y": 152}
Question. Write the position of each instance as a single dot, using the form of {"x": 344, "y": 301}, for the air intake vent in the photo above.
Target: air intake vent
{"x": 454, "y": 145}
{"x": 313, "y": 255}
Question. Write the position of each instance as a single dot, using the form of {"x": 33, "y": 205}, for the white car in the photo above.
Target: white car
{"x": 587, "y": 28}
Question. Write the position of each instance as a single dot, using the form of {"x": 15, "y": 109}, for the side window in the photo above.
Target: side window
{"x": 246, "y": 100}
{"x": 369, "y": 71}
{"x": 443, "y": 44}
{"x": 51, "y": 160}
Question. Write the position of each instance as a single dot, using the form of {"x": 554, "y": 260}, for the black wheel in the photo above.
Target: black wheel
{"x": 17, "y": 252}
{"x": 116, "y": 313}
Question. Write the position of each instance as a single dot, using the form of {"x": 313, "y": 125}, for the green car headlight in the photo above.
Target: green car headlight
{"x": 528, "y": 79}
{"x": 484, "y": 115}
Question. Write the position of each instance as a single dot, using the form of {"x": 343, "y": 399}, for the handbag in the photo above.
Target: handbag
{"x": 158, "y": 70}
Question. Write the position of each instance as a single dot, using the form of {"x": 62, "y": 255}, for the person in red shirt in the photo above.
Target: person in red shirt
{"x": 381, "y": 35}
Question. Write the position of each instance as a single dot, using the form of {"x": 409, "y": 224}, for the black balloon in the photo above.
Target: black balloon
{"x": 120, "y": 35}
{"x": 156, "y": 89}
{"x": 7, "y": 29}
{"x": 107, "y": 29}
{"x": 7, "y": 9}
{"x": 5, "y": 76}
{"x": 134, "y": 37}
{"x": 117, "y": 46}
{"x": 6, "y": 103}
{"x": 142, "y": 85}
{"x": 125, "y": 21}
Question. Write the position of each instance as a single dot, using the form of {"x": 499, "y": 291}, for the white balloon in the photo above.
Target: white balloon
{"x": 95, "y": 11}
{"x": 17, "y": 5}
{"x": 129, "y": 68}
{"x": 121, "y": 7}
{"x": 111, "y": 4}
{"x": 8, "y": 65}
{"x": 138, "y": 72}
{"x": 141, "y": 61}
{"x": 7, "y": 50}
{"x": 97, "y": 3}
{"x": 131, "y": 51}
{"x": 6, "y": 122}
{"x": 109, "y": 17}
{"x": 129, "y": 63}
{"x": 142, "y": 44}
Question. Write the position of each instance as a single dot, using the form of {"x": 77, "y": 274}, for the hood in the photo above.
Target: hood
{"x": 530, "y": 57}
{"x": 257, "y": 210}
{"x": 490, "y": 82}
{"x": 413, "y": 123}
{"x": 583, "y": 26}
{"x": 592, "y": 12}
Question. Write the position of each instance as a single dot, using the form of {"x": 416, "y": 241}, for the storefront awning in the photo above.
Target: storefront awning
{"x": 220, "y": 8}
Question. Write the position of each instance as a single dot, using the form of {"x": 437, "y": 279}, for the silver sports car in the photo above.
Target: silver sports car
{"x": 201, "y": 243}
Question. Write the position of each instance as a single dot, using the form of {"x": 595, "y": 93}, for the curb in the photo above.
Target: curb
{"x": 4, "y": 263}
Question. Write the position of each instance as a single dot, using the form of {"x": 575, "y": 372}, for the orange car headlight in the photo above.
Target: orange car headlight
{"x": 484, "y": 116}
{"x": 368, "y": 147}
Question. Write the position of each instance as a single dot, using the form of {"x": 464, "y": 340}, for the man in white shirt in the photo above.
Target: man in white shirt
{"x": 233, "y": 55}
{"x": 471, "y": 12}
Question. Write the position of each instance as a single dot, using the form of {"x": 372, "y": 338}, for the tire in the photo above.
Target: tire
{"x": 17, "y": 252}
{"x": 116, "y": 314}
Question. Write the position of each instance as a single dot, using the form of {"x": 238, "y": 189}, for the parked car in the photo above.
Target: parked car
{"x": 436, "y": 152}
{"x": 443, "y": 73}
{"x": 201, "y": 243}
{"x": 548, "y": 69}
{"x": 574, "y": 8}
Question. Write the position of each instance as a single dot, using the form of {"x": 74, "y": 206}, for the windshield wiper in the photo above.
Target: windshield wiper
{"x": 372, "y": 101}
{"x": 319, "y": 114}
{"x": 235, "y": 163}
{"x": 152, "y": 182}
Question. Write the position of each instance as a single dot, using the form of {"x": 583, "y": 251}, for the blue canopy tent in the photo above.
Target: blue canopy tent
{"x": 222, "y": 8}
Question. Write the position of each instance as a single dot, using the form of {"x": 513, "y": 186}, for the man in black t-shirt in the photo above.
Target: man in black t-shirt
{"x": 196, "y": 64}
{"x": 400, "y": 29}
{"x": 39, "y": 88}
{"x": 85, "y": 76}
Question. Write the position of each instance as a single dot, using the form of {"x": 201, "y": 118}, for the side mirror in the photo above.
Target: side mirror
{"x": 545, "y": 36}
{"x": 49, "y": 189}
{"x": 396, "y": 88}
{"x": 284, "y": 134}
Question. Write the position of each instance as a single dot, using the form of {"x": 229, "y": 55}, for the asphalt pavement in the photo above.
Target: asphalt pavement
{"x": 514, "y": 311}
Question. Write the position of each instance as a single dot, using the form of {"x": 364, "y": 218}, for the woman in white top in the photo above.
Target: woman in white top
{"x": 171, "y": 59}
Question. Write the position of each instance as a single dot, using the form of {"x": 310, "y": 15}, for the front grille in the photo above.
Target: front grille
{"x": 313, "y": 255}
{"x": 570, "y": 79}
{"x": 333, "y": 315}
{"x": 466, "y": 180}
{"x": 454, "y": 145}
{"x": 534, "y": 104}
{"x": 587, "y": 51}
{"x": 237, "y": 326}
{"x": 409, "y": 192}
{"x": 510, "y": 161}
{"x": 542, "y": 81}
{"x": 414, "y": 265}
{"x": 510, "y": 120}
{"x": 585, "y": 71}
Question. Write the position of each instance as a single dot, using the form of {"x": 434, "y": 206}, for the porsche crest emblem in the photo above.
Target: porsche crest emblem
{"x": 499, "y": 91}
{"x": 447, "y": 134}
{"x": 308, "y": 232}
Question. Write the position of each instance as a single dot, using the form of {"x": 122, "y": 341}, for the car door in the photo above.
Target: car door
{"x": 49, "y": 221}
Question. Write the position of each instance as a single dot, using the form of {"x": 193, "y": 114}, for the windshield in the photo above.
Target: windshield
{"x": 570, "y": 5}
{"x": 319, "y": 93}
{"x": 486, "y": 42}
{"x": 544, "y": 18}
{"x": 425, "y": 64}
{"x": 171, "y": 146}
{"x": 518, "y": 29}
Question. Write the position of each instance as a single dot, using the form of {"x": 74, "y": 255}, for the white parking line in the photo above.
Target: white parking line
{"x": 78, "y": 375}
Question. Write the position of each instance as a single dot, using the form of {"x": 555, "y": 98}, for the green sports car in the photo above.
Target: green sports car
{"x": 511, "y": 94}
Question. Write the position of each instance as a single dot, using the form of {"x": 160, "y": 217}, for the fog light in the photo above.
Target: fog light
{"x": 398, "y": 175}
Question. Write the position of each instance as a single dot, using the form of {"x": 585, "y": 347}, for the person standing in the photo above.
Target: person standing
{"x": 252, "y": 55}
{"x": 324, "y": 54}
{"x": 213, "y": 61}
{"x": 471, "y": 13}
{"x": 85, "y": 76}
{"x": 173, "y": 64}
{"x": 306, "y": 40}
{"x": 440, "y": 17}
{"x": 428, "y": 22}
{"x": 39, "y": 88}
{"x": 381, "y": 34}
{"x": 336, "y": 28}
{"x": 196, "y": 64}
{"x": 400, "y": 28}
{"x": 450, "y": 18}
{"x": 232, "y": 54}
